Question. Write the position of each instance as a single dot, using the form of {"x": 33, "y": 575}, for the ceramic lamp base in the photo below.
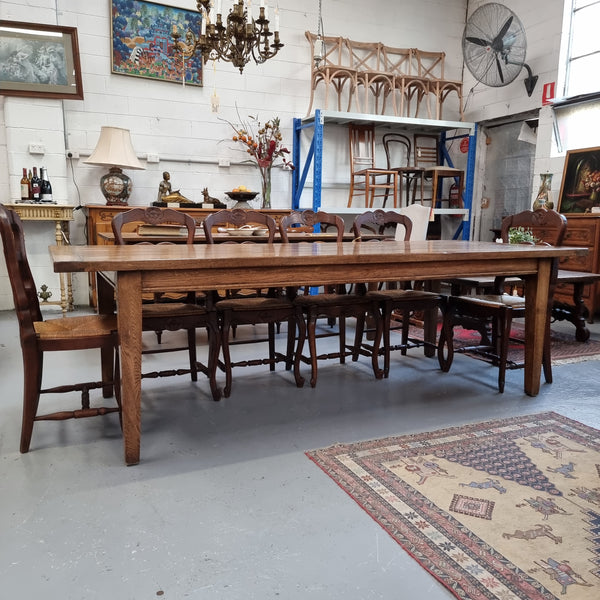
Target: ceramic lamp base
{"x": 116, "y": 187}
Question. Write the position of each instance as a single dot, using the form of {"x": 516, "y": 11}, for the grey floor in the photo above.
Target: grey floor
{"x": 225, "y": 504}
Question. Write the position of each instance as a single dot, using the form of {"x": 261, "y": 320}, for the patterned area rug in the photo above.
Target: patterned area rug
{"x": 564, "y": 348}
{"x": 503, "y": 510}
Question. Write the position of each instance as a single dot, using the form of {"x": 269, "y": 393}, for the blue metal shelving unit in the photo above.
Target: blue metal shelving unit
{"x": 314, "y": 156}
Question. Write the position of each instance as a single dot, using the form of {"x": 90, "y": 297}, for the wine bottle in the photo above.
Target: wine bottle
{"x": 35, "y": 185}
{"x": 29, "y": 178}
{"x": 25, "y": 191}
{"x": 45, "y": 187}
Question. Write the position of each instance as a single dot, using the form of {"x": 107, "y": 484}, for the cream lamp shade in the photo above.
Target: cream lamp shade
{"x": 115, "y": 150}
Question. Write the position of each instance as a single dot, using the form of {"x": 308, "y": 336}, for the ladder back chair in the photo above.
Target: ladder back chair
{"x": 333, "y": 304}
{"x": 185, "y": 310}
{"x": 253, "y": 307}
{"x": 495, "y": 312}
{"x": 391, "y": 301}
{"x": 366, "y": 179}
{"x": 52, "y": 335}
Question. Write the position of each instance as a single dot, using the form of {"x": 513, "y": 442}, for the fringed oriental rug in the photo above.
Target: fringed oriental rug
{"x": 502, "y": 510}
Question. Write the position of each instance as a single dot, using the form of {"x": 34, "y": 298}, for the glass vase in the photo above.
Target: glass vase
{"x": 544, "y": 196}
{"x": 265, "y": 175}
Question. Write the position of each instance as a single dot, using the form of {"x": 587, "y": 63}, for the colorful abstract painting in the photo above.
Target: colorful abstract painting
{"x": 142, "y": 42}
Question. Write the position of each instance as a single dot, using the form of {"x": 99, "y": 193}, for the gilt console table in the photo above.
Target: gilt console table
{"x": 62, "y": 215}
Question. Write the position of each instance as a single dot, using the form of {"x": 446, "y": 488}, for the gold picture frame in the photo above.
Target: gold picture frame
{"x": 580, "y": 187}
{"x": 39, "y": 61}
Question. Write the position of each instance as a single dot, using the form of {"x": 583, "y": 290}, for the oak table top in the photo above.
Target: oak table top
{"x": 150, "y": 268}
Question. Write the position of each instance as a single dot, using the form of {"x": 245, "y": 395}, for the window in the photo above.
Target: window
{"x": 582, "y": 74}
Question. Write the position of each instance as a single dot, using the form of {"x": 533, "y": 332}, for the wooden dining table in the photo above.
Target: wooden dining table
{"x": 147, "y": 268}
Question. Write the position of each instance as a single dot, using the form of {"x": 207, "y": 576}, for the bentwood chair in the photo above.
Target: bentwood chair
{"x": 366, "y": 179}
{"x": 492, "y": 314}
{"x": 183, "y": 310}
{"x": 398, "y": 153}
{"x": 63, "y": 334}
{"x": 391, "y": 301}
{"x": 249, "y": 307}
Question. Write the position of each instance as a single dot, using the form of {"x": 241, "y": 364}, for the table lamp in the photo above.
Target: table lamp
{"x": 114, "y": 149}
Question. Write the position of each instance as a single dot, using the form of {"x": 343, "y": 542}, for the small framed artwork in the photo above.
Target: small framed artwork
{"x": 39, "y": 61}
{"x": 580, "y": 188}
{"x": 143, "y": 44}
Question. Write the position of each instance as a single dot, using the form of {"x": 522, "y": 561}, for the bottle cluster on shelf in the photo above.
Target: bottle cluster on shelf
{"x": 36, "y": 188}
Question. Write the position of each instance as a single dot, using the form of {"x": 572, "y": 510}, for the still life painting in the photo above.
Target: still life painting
{"x": 580, "y": 189}
{"x": 143, "y": 44}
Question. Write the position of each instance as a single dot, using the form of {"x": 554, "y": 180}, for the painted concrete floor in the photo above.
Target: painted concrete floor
{"x": 225, "y": 504}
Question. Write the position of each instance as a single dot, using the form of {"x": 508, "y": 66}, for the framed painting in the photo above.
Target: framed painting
{"x": 143, "y": 46}
{"x": 39, "y": 61}
{"x": 580, "y": 188}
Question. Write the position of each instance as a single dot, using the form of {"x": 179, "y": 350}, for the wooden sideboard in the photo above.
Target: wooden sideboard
{"x": 582, "y": 230}
{"x": 99, "y": 217}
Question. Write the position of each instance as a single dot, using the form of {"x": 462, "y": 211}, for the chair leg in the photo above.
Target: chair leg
{"x": 213, "y": 357}
{"x": 271, "y": 335}
{"x": 301, "y": 323}
{"x": 191, "y": 337}
{"x": 379, "y": 327}
{"x": 358, "y": 336}
{"x": 225, "y": 327}
{"x": 504, "y": 333}
{"x": 32, "y": 382}
{"x": 291, "y": 340}
{"x": 445, "y": 351}
{"x": 311, "y": 322}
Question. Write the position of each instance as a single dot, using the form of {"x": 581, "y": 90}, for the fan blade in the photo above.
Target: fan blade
{"x": 478, "y": 41}
{"x": 499, "y": 67}
{"x": 498, "y": 42}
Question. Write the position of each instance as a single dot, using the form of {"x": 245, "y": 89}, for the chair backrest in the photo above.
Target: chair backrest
{"x": 547, "y": 226}
{"x": 362, "y": 147}
{"x": 238, "y": 217}
{"x": 376, "y": 221}
{"x": 309, "y": 219}
{"x": 25, "y": 296}
{"x": 153, "y": 216}
{"x": 397, "y": 150}
{"x": 420, "y": 216}
{"x": 426, "y": 150}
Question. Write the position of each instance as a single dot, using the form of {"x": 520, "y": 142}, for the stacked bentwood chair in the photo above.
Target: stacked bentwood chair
{"x": 492, "y": 314}
{"x": 60, "y": 334}
{"x": 391, "y": 300}
{"x": 185, "y": 310}
{"x": 249, "y": 307}
{"x": 332, "y": 304}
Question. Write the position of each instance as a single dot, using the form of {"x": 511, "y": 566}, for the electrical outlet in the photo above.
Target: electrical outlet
{"x": 37, "y": 148}
{"x": 152, "y": 158}
{"x": 72, "y": 154}
{"x": 224, "y": 162}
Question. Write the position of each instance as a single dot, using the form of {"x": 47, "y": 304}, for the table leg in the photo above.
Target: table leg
{"x": 537, "y": 302}
{"x": 129, "y": 319}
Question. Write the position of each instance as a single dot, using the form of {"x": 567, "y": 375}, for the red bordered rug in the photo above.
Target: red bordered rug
{"x": 501, "y": 510}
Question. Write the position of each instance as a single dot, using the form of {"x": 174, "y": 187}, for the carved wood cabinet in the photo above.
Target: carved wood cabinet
{"x": 583, "y": 230}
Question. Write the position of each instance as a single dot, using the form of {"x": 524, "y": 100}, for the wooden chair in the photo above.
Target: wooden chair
{"x": 333, "y": 304}
{"x": 270, "y": 306}
{"x": 174, "y": 311}
{"x": 496, "y": 311}
{"x": 334, "y": 70}
{"x": 52, "y": 335}
{"x": 426, "y": 155}
{"x": 391, "y": 301}
{"x": 398, "y": 154}
{"x": 365, "y": 178}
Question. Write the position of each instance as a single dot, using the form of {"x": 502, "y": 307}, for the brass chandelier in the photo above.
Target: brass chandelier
{"x": 238, "y": 40}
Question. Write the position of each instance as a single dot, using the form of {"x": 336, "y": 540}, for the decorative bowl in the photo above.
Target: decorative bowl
{"x": 244, "y": 230}
{"x": 242, "y": 196}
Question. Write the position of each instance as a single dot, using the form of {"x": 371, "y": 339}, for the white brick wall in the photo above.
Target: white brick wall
{"x": 176, "y": 122}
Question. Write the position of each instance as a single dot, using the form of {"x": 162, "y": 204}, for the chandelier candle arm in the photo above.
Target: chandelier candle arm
{"x": 236, "y": 40}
